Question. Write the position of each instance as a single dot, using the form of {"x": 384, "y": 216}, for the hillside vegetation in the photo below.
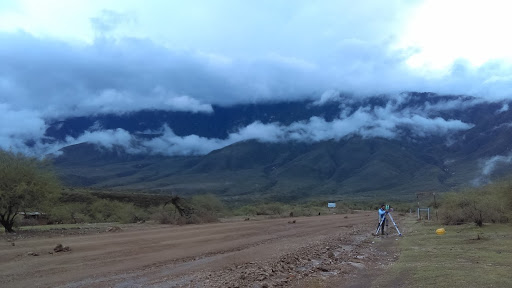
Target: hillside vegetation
{"x": 276, "y": 172}
{"x": 487, "y": 204}
{"x": 481, "y": 205}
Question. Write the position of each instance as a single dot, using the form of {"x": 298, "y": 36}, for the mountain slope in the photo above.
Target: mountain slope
{"x": 282, "y": 171}
{"x": 413, "y": 160}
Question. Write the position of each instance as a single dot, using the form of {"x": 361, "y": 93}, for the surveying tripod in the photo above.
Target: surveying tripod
{"x": 392, "y": 220}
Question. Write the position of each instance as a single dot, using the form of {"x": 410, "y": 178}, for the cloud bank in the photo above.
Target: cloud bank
{"x": 63, "y": 80}
{"x": 61, "y": 60}
{"x": 367, "y": 122}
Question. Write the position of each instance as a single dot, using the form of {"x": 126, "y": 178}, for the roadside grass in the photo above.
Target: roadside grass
{"x": 66, "y": 226}
{"x": 22, "y": 230}
{"x": 59, "y": 227}
{"x": 466, "y": 256}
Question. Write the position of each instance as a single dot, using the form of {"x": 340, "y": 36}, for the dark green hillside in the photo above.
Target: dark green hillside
{"x": 280, "y": 171}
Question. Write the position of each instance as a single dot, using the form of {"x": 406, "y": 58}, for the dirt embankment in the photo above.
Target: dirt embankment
{"x": 325, "y": 251}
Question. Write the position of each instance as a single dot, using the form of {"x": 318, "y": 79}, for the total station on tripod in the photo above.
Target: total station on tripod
{"x": 384, "y": 212}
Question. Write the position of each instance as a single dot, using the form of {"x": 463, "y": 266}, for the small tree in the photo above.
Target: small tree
{"x": 25, "y": 183}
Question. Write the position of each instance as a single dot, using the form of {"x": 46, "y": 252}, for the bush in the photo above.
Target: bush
{"x": 105, "y": 211}
{"x": 246, "y": 210}
{"x": 269, "y": 209}
{"x": 162, "y": 217}
{"x": 276, "y": 209}
{"x": 477, "y": 206}
{"x": 99, "y": 210}
{"x": 207, "y": 204}
{"x": 206, "y": 209}
{"x": 69, "y": 213}
{"x": 195, "y": 219}
{"x": 165, "y": 215}
{"x": 129, "y": 213}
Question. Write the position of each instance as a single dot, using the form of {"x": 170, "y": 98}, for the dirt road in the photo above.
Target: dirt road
{"x": 264, "y": 253}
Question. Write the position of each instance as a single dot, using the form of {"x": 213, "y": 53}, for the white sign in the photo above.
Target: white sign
{"x": 331, "y": 205}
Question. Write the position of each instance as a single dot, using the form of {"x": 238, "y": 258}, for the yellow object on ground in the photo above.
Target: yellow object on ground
{"x": 440, "y": 231}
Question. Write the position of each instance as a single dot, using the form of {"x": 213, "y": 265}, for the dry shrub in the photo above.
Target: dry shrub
{"x": 206, "y": 209}
{"x": 129, "y": 213}
{"x": 202, "y": 209}
{"x": 477, "y": 206}
{"x": 28, "y": 222}
{"x": 162, "y": 215}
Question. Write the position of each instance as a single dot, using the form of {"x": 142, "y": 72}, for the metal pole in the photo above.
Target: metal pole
{"x": 428, "y": 213}
{"x": 392, "y": 220}
{"x": 418, "y": 213}
{"x": 380, "y": 223}
{"x": 396, "y": 227}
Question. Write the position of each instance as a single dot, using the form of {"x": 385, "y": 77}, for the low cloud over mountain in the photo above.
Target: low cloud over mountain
{"x": 390, "y": 117}
{"x": 123, "y": 58}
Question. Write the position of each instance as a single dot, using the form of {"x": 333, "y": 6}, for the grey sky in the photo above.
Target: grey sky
{"x": 62, "y": 59}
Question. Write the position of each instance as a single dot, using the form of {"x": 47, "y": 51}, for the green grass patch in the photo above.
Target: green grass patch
{"x": 466, "y": 256}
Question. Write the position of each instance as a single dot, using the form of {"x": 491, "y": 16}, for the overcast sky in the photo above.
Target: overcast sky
{"x": 63, "y": 58}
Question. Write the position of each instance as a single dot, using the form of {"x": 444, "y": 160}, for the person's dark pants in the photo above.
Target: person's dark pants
{"x": 382, "y": 226}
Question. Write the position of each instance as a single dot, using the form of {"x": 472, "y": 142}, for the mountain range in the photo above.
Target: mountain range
{"x": 337, "y": 146}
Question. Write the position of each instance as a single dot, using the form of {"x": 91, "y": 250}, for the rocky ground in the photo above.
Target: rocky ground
{"x": 352, "y": 259}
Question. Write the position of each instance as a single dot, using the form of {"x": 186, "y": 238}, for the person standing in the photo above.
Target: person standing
{"x": 382, "y": 217}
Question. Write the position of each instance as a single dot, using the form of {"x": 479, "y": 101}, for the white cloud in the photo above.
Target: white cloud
{"x": 425, "y": 126}
{"x": 170, "y": 144}
{"x": 186, "y": 103}
{"x": 18, "y": 127}
{"x": 107, "y": 21}
{"x": 387, "y": 122}
{"x": 491, "y": 163}
{"x": 455, "y": 104}
{"x": 105, "y": 138}
{"x": 272, "y": 132}
{"x": 113, "y": 101}
{"x": 488, "y": 166}
{"x": 503, "y": 108}
{"x": 331, "y": 95}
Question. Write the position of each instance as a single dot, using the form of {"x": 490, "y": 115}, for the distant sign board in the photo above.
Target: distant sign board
{"x": 331, "y": 205}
